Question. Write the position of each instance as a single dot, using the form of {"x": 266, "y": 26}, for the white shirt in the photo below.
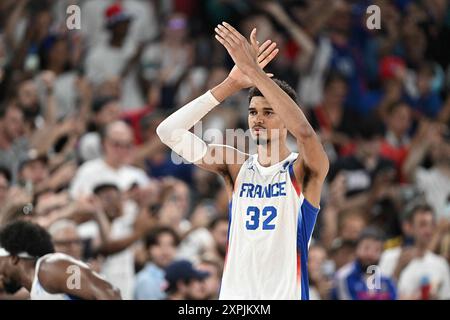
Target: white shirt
{"x": 105, "y": 62}
{"x": 430, "y": 265}
{"x": 95, "y": 172}
{"x": 436, "y": 186}
{"x": 118, "y": 268}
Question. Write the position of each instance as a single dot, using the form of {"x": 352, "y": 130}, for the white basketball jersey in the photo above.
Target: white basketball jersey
{"x": 270, "y": 226}
{"x": 37, "y": 292}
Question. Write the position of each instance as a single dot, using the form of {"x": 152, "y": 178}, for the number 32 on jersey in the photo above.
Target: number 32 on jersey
{"x": 255, "y": 215}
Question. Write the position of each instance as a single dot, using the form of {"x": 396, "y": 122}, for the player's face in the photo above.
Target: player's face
{"x": 8, "y": 283}
{"x": 265, "y": 125}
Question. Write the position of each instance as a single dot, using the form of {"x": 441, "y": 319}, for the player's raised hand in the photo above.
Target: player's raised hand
{"x": 265, "y": 54}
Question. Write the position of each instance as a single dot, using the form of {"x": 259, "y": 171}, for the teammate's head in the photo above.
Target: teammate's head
{"x": 265, "y": 125}
{"x": 161, "y": 244}
{"x": 20, "y": 242}
{"x": 369, "y": 248}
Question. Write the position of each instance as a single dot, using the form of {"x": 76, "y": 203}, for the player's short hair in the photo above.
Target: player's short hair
{"x": 24, "y": 236}
{"x": 152, "y": 237}
{"x": 254, "y": 91}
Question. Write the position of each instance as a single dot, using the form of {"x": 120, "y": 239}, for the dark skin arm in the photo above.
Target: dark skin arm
{"x": 57, "y": 276}
{"x": 225, "y": 160}
{"x": 312, "y": 164}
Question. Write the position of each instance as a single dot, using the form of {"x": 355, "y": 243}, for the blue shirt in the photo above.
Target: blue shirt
{"x": 150, "y": 283}
{"x": 351, "y": 284}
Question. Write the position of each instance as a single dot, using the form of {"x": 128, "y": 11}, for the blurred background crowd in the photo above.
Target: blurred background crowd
{"x": 79, "y": 154}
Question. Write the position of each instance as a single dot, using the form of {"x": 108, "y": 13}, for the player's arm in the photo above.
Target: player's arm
{"x": 312, "y": 165}
{"x": 71, "y": 277}
{"x": 174, "y": 130}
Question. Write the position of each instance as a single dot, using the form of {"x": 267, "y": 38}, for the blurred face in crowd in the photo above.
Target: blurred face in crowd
{"x": 369, "y": 147}
{"x": 176, "y": 28}
{"x": 12, "y": 123}
{"x": 108, "y": 114}
{"x": 440, "y": 153}
{"x": 212, "y": 283}
{"x": 35, "y": 171}
{"x": 163, "y": 253}
{"x": 351, "y": 226}
{"x": 111, "y": 201}
{"x": 399, "y": 120}
{"x": 59, "y": 53}
{"x": 343, "y": 255}
{"x": 265, "y": 125}
{"x": 368, "y": 252}
{"x": 220, "y": 236}
{"x": 335, "y": 93}
{"x": 28, "y": 98}
{"x": 423, "y": 227}
{"x": 424, "y": 78}
{"x": 118, "y": 144}
{"x": 67, "y": 240}
{"x": 181, "y": 192}
{"x": 261, "y": 23}
{"x": 341, "y": 21}
{"x": 192, "y": 289}
{"x": 316, "y": 258}
{"x": 120, "y": 30}
{"x": 4, "y": 187}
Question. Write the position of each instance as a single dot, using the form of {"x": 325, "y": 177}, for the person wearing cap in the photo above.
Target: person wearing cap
{"x": 184, "y": 282}
{"x": 111, "y": 59}
{"x": 362, "y": 279}
{"x": 27, "y": 259}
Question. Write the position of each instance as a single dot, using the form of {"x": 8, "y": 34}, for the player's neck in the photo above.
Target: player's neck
{"x": 267, "y": 156}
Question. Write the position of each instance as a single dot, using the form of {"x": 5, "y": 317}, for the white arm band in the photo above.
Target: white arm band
{"x": 174, "y": 130}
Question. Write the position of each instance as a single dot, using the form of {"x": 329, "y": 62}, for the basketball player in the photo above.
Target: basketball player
{"x": 274, "y": 194}
{"x": 27, "y": 259}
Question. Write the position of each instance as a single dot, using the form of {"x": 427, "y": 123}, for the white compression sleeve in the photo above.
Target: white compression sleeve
{"x": 174, "y": 130}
